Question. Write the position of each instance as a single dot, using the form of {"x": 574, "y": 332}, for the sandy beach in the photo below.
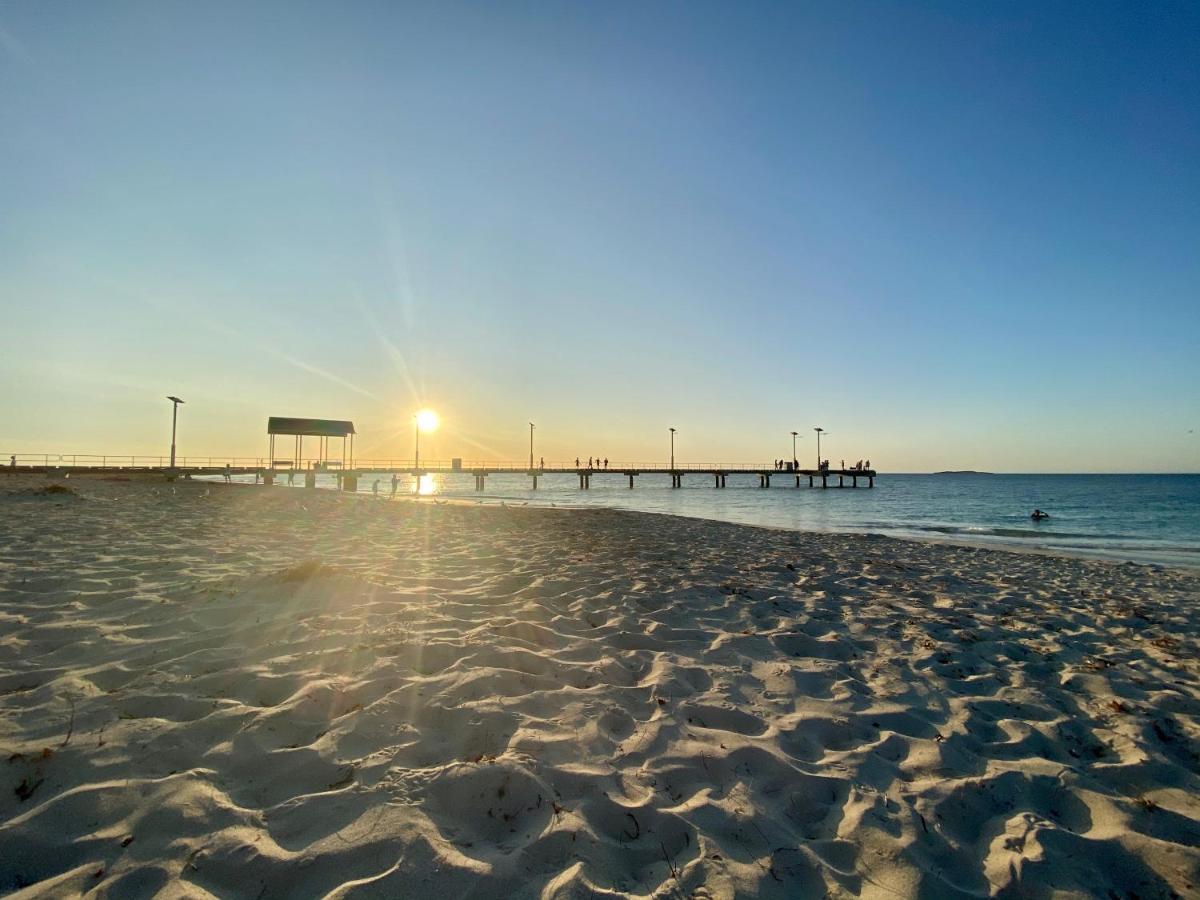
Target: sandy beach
{"x": 234, "y": 691}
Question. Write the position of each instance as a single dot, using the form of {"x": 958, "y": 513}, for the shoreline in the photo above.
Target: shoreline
{"x": 983, "y": 543}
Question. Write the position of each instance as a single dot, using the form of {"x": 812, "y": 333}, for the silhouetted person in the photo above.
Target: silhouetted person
{"x": 589, "y": 462}
{"x": 395, "y": 483}
{"x": 577, "y": 462}
{"x": 228, "y": 473}
{"x": 375, "y": 488}
{"x": 291, "y": 476}
{"x": 868, "y": 464}
{"x": 606, "y": 462}
{"x": 542, "y": 463}
{"x": 1038, "y": 515}
{"x": 12, "y": 465}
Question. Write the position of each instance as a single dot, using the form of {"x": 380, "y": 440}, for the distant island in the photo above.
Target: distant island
{"x": 964, "y": 472}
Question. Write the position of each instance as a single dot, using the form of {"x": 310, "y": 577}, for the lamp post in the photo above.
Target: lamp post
{"x": 417, "y": 444}
{"x": 175, "y": 401}
{"x": 794, "y": 459}
{"x": 530, "y": 446}
{"x": 819, "y": 432}
{"x": 672, "y": 449}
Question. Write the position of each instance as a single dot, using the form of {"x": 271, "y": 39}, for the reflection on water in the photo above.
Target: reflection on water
{"x": 430, "y": 484}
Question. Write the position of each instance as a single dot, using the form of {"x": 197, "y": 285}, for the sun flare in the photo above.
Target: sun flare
{"x": 427, "y": 420}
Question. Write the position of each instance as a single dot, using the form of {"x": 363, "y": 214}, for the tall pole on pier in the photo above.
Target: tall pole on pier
{"x": 175, "y": 401}
{"x": 530, "y": 446}
{"x": 417, "y": 443}
{"x": 818, "y": 430}
{"x": 672, "y": 449}
{"x": 795, "y": 459}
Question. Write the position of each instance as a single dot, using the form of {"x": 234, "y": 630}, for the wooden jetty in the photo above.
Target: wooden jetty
{"x": 719, "y": 474}
{"x": 270, "y": 470}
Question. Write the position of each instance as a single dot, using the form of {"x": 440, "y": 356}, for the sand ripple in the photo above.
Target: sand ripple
{"x": 211, "y": 691}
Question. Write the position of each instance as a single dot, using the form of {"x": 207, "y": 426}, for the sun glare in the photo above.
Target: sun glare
{"x": 427, "y": 420}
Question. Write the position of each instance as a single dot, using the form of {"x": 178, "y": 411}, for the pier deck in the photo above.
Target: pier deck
{"x": 352, "y": 473}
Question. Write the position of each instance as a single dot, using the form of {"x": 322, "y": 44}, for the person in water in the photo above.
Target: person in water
{"x": 1038, "y": 515}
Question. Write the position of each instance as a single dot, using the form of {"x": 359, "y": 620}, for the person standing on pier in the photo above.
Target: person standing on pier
{"x": 589, "y": 462}
{"x": 606, "y": 462}
{"x": 577, "y": 462}
{"x": 542, "y": 463}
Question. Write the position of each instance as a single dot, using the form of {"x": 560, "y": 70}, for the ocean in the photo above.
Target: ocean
{"x": 1138, "y": 518}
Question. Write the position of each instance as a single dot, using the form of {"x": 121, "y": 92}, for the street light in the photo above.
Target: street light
{"x": 530, "y": 446}
{"x": 672, "y": 449}
{"x": 795, "y": 460}
{"x": 175, "y": 401}
{"x": 819, "y": 432}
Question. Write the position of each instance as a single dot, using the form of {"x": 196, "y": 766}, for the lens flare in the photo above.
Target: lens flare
{"x": 427, "y": 420}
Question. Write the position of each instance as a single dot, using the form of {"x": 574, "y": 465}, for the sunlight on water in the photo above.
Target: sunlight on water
{"x": 429, "y": 485}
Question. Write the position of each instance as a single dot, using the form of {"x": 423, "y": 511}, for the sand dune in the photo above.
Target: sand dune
{"x": 211, "y": 690}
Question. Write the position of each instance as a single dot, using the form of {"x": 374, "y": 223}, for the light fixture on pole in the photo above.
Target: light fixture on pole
{"x": 175, "y": 401}
{"x": 672, "y": 449}
{"x": 819, "y": 432}
{"x": 530, "y": 446}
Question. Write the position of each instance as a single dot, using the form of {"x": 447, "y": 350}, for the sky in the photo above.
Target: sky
{"x": 955, "y": 235}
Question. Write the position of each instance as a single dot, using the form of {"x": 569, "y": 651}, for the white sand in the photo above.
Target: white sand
{"x": 236, "y": 691}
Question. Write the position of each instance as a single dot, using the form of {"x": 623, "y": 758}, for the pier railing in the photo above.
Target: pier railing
{"x": 146, "y": 461}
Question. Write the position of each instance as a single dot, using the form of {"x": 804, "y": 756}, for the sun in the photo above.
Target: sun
{"x": 427, "y": 420}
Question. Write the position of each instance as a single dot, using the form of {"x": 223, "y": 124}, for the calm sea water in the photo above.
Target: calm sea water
{"x": 1141, "y": 518}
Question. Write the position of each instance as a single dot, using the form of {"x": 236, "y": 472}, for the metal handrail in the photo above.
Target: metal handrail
{"x": 136, "y": 461}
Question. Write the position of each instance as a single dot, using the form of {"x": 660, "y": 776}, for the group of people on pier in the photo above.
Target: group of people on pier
{"x": 783, "y": 465}
{"x": 598, "y": 463}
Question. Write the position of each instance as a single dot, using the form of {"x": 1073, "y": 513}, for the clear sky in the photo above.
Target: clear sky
{"x": 957, "y": 235}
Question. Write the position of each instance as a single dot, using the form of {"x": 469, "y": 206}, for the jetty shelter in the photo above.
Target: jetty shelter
{"x": 321, "y": 429}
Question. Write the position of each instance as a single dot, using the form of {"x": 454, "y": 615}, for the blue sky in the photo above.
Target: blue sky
{"x": 955, "y": 235}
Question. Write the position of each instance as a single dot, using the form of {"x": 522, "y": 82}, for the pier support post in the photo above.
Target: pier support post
{"x": 871, "y": 481}
{"x": 810, "y": 484}
{"x": 716, "y": 480}
{"x": 535, "y": 482}
{"x": 853, "y": 481}
{"x": 723, "y": 477}
{"x": 797, "y": 481}
{"x": 824, "y": 481}
{"x": 268, "y": 477}
{"x": 841, "y": 481}
{"x": 631, "y": 482}
{"x": 310, "y": 479}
